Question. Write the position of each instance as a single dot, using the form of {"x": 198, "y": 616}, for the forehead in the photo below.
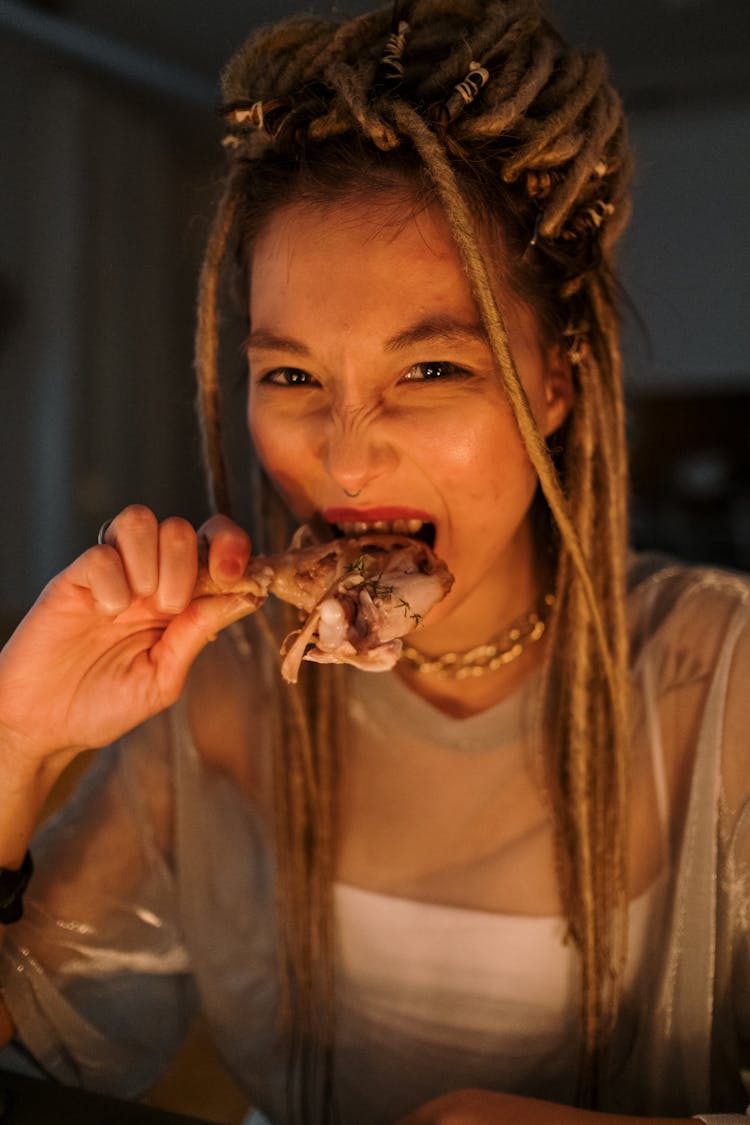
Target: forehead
{"x": 383, "y": 232}
{"x": 312, "y": 257}
{"x": 363, "y": 272}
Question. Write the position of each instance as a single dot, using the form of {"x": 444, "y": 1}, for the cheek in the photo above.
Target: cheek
{"x": 270, "y": 430}
{"x": 480, "y": 452}
{"x": 284, "y": 460}
{"x": 262, "y": 436}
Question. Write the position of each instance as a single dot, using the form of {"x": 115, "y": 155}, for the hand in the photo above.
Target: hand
{"x": 483, "y": 1107}
{"x": 474, "y": 1107}
{"x": 110, "y": 640}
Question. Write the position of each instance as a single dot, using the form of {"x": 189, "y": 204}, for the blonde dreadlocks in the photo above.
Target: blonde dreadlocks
{"x": 482, "y": 107}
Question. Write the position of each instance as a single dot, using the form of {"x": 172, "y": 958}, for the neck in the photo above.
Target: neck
{"x": 462, "y": 698}
{"x": 476, "y": 619}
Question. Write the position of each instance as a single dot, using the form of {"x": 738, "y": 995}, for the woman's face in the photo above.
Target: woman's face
{"x": 373, "y": 396}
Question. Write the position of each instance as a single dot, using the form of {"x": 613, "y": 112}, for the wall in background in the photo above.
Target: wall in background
{"x": 685, "y": 259}
{"x": 685, "y": 267}
{"x": 102, "y": 218}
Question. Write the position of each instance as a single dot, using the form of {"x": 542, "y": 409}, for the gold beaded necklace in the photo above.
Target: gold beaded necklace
{"x": 501, "y": 650}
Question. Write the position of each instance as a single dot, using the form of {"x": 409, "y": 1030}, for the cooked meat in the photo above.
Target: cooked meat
{"x": 361, "y": 596}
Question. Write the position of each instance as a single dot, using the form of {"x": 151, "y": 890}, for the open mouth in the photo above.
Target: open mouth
{"x": 362, "y": 585}
{"x": 414, "y": 528}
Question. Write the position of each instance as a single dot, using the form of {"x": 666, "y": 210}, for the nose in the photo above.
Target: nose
{"x": 357, "y": 450}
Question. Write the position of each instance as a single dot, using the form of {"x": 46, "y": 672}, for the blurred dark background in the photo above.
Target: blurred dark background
{"x": 110, "y": 153}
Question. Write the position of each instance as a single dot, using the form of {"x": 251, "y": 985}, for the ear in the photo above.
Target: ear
{"x": 559, "y": 392}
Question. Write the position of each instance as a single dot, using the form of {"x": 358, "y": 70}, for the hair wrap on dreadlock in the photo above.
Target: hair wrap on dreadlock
{"x": 480, "y": 106}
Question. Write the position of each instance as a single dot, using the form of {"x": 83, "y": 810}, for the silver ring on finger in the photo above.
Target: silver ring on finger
{"x": 100, "y": 538}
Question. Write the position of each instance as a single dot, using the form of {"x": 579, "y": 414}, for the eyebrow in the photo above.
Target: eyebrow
{"x": 443, "y": 328}
{"x": 271, "y": 342}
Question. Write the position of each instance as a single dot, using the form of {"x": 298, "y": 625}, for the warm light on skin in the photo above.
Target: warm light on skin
{"x": 344, "y": 309}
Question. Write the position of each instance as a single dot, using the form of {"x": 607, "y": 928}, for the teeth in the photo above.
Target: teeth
{"x": 392, "y": 527}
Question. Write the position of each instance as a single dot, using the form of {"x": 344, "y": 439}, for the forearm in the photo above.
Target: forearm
{"x": 482, "y": 1107}
{"x": 26, "y": 783}
{"x": 536, "y": 1112}
{"x": 543, "y": 1113}
{"x": 563, "y": 1115}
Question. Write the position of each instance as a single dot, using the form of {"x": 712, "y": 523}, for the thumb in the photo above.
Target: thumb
{"x": 189, "y": 633}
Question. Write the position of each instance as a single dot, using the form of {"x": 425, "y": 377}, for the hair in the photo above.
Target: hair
{"x": 480, "y": 107}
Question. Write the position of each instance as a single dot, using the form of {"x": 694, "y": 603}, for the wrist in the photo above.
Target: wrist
{"x": 26, "y": 780}
{"x": 29, "y": 767}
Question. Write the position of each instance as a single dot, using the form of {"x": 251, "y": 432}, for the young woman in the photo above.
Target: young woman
{"x": 505, "y": 881}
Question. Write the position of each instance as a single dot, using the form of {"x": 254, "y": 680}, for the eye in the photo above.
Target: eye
{"x": 434, "y": 371}
{"x": 288, "y": 377}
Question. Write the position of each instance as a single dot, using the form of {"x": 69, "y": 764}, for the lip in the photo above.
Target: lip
{"x": 370, "y": 515}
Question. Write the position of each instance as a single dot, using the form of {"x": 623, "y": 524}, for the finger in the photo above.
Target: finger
{"x": 100, "y": 571}
{"x": 225, "y": 548}
{"x": 178, "y": 565}
{"x": 135, "y": 535}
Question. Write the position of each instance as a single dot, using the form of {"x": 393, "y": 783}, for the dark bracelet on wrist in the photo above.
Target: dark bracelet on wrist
{"x": 12, "y": 886}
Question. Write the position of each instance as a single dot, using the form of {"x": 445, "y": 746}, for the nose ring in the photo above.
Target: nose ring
{"x": 352, "y": 495}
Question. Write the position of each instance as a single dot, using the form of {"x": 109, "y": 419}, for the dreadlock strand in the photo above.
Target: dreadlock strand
{"x": 573, "y": 607}
{"x": 608, "y": 489}
{"x": 267, "y": 62}
{"x": 583, "y": 843}
{"x": 562, "y": 84}
{"x": 502, "y": 118}
{"x": 360, "y": 37}
{"x": 207, "y": 350}
{"x": 603, "y": 119}
{"x": 305, "y": 61}
{"x": 336, "y": 123}
{"x": 616, "y": 479}
{"x": 563, "y": 149}
{"x": 352, "y": 90}
{"x": 542, "y": 133}
{"x": 330, "y": 687}
{"x": 506, "y": 23}
{"x": 304, "y": 792}
{"x": 437, "y": 163}
{"x": 496, "y": 39}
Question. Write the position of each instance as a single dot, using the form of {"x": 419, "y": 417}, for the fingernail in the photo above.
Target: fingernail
{"x": 230, "y": 568}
